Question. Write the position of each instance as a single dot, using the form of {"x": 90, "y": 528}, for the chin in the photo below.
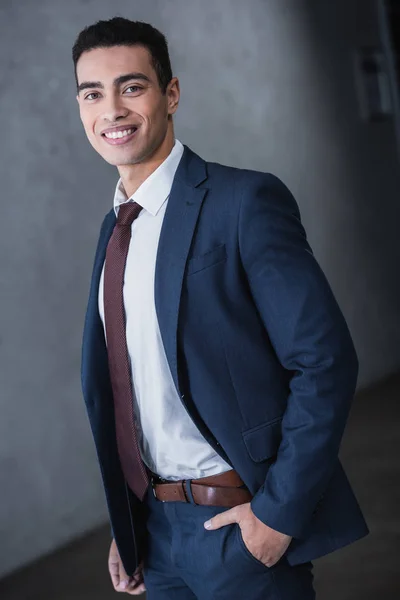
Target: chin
{"x": 119, "y": 161}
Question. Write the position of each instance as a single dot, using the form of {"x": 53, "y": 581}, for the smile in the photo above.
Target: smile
{"x": 119, "y": 137}
{"x": 119, "y": 134}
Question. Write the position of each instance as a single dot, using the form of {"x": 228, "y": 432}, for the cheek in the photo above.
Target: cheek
{"x": 157, "y": 118}
{"x": 88, "y": 123}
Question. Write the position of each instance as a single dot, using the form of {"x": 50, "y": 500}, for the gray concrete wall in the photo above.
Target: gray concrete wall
{"x": 265, "y": 85}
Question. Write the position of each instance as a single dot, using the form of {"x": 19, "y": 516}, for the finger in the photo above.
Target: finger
{"x": 137, "y": 585}
{"x": 224, "y": 518}
{"x": 113, "y": 564}
{"x": 113, "y": 567}
{"x": 137, "y": 577}
{"x": 136, "y": 581}
{"x": 120, "y": 579}
{"x": 139, "y": 570}
{"x": 136, "y": 588}
{"x": 124, "y": 583}
{"x": 140, "y": 590}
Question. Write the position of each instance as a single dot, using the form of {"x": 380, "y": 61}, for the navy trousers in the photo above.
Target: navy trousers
{"x": 184, "y": 561}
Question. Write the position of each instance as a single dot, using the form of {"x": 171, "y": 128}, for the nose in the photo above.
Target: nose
{"x": 114, "y": 109}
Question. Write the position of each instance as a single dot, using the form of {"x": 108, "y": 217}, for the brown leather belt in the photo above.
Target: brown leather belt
{"x": 215, "y": 490}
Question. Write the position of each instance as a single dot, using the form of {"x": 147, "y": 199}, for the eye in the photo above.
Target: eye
{"x": 133, "y": 87}
{"x": 91, "y": 94}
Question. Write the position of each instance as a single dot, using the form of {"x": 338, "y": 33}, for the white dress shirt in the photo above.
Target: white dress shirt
{"x": 170, "y": 443}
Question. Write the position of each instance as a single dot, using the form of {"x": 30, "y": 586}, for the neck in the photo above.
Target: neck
{"x": 132, "y": 176}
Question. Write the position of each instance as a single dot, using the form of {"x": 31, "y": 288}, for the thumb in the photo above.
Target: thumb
{"x": 224, "y": 518}
{"x": 119, "y": 578}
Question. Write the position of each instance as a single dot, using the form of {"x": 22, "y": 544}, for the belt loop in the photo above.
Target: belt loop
{"x": 153, "y": 486}
{"x": 189, "y": 493}
{"x": 184, "y": 490}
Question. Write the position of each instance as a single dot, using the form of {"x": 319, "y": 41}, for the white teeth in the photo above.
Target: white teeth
{"x": 118, "y": 134}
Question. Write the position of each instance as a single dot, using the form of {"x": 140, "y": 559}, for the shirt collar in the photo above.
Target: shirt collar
{"x": 154, "y": 190}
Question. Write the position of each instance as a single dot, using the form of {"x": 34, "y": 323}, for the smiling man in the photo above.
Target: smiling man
{"x": 217, "y": 368}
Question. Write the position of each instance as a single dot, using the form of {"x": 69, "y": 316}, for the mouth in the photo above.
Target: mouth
{"x": 117, "y": 138}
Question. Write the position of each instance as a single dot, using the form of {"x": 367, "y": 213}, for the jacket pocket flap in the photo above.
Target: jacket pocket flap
{"x": 197, "y": 263}
{"x": 262, "y": 442}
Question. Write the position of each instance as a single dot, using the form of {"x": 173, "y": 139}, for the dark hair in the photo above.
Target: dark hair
{"x": 123, "y": 32}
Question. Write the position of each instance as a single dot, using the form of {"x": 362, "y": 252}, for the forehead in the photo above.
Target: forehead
{"x": 103, "y": 64}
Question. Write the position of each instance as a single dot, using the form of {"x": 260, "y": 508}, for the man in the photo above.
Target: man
{"x": 217, "y": 368}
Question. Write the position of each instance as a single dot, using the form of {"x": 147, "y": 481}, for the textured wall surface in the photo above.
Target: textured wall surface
{"x": 266, "y": 84}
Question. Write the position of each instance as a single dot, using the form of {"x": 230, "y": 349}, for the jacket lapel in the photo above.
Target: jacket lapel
{"x": 177, "y": 231}
{"x": 94, "y": 368}
{"x": 176, "y": 236}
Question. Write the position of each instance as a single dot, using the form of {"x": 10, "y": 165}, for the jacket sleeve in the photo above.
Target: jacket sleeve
{"x": 311, "y": 340}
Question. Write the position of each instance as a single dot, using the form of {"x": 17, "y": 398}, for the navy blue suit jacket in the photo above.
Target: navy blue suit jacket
{"x": 259, "y": 352}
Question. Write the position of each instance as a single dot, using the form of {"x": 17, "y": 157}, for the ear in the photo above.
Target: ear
{"x": 174, "y": 95}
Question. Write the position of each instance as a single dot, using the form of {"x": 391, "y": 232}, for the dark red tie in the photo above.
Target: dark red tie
{"x": 114, "y": 313}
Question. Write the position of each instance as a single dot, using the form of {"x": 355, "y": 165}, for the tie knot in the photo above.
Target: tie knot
{"x": 128, "y": 212}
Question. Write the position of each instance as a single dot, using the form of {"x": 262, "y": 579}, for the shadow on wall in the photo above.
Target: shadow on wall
{"x": 363, "y": 177}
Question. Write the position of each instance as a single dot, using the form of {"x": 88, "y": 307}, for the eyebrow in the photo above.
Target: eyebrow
{"x": 117, "y": 82}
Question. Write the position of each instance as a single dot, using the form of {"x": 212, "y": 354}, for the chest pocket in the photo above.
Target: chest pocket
{"x": 208, "y": 259}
